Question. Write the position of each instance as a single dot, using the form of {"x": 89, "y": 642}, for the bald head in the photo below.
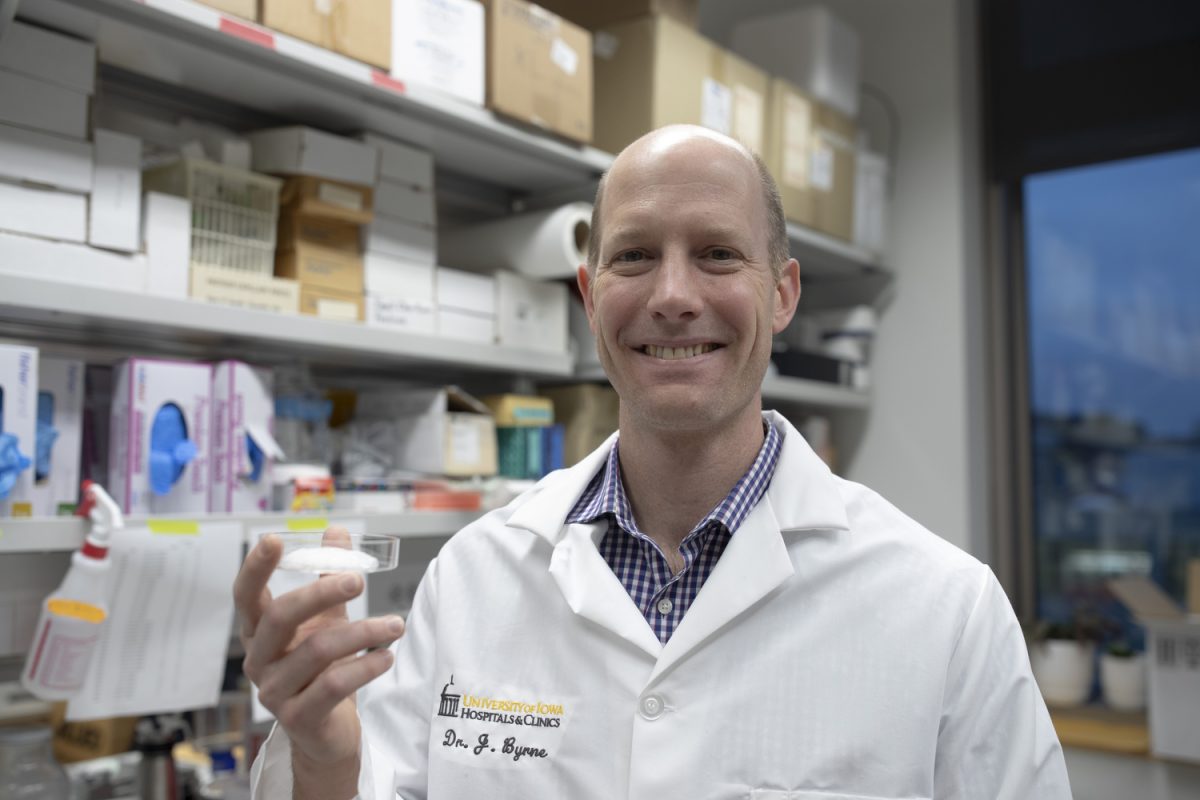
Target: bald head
{"x": 693, "y": 141}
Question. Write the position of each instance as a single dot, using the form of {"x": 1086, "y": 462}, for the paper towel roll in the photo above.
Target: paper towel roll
{"x": 540, "y": 244}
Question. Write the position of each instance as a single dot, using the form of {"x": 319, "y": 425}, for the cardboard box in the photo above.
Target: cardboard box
{"x": 404, "y": 203}
{"x": 399, "y": 278}
{"x": 654, "y": 71}
{"x": 71, "y": 263}
{"x": 401, "y": 240}
{"x": 402, "y": 163}
{"x": 467, "y": 326}
{"x": 115, "y": 212}
{"x": 520, "y": 410}
{"x": 320, "y": 301}
{"x": 808, "y": 47}
{"x": 466, "y": 291}
{"x": 44, "y": 158}
{"x": 60, "y": 402}
{"x": 231, "y": 287}
{"x": 322, "y": 198}
{"x": 167, "y": 231}
{"x": 48, "y": 56}
{"x": 439, "y": 45}
{"x": 247, "y": 9}
{"x": 834, "y": 173}
{"x": 531, "y": 315}
{"x": 146, "y": 393}
{"x": 296, "y": 229}
{"x": 30, "y": 103}
{"x": 95, "y": 738}
{"x": 43, "y": 212}
{"x": 539, "y": 68}
{"x": 593, "y": 15}
{"x": 316, "y": 266}
{"x": 589, "y": 414}
{"x": 18, "y": 418}
{"x": 360, "y": 29}
{"x": 401, "y": 314}
{"x": 298, "y": 150}
{"x": 440, "y": 431}
{"x": 243, "y": 413}
{"x": 791, "y": 120}
{"x": 1173, "y": 664}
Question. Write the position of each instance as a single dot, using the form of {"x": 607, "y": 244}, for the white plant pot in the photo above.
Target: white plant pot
{"x": 1123, "y": 681}
{"x": 1063, "y": 670}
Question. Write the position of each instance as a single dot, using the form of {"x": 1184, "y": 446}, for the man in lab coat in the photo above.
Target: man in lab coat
{"x": 699, "y": 609}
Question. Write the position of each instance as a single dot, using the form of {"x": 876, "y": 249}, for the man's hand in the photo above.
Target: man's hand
{"x": 303, "y": 655}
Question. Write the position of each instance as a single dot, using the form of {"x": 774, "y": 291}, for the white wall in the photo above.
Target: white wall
{"x": 922, "y": 443}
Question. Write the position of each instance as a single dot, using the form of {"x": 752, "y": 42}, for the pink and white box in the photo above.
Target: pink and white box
{"x": 244, "y": 447}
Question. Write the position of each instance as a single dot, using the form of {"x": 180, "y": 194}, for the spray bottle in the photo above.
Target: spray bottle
{"x": 73, "y": 615}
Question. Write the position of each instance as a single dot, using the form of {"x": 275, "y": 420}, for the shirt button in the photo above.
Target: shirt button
{"x": 665, "y": 605}
{"x": 652, "y": 706}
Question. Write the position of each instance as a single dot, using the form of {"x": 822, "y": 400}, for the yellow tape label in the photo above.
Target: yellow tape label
{"x": 308, "y": 523}
{"x": 75, "y": 609}
{"x": 174, "y": 527}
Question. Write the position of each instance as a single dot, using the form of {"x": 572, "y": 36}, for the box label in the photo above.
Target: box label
{"x": 464, "y": 442}
{"x": 337, "y": 309}
{"x": 340, "y": 196}
{"x": 564, "y": 56}
{"x": 797, "y": 116}
{"x": 821, "y": 175}
{"x": 716, "y": 106}
{"x": 748, "y": 117}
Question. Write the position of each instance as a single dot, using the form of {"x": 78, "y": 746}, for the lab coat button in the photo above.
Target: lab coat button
{"x": 665, "y": 605}
{"x": 652, "y": 706}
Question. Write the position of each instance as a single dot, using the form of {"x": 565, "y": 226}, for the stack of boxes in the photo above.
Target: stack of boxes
{"x": 528, "y": 443}
{"x": 325, "y": 201}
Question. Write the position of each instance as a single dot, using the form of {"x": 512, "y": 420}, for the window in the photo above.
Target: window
{"x": 1113, "y": 276}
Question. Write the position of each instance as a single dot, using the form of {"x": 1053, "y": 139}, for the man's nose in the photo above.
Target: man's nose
{"x": 675, "y": 293}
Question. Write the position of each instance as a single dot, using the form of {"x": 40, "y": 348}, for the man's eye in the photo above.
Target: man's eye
{"x": 629, "y": 257}
{"x": 721, "y": 254}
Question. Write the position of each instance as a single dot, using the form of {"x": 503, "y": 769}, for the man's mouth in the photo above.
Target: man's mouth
{"x": 676, "y": 353}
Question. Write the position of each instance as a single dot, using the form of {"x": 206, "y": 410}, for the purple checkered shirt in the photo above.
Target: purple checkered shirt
{"x": 663, "y": 598}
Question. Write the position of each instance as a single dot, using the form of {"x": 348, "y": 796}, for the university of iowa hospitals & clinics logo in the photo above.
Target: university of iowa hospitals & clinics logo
{"x": 504, "y": 711}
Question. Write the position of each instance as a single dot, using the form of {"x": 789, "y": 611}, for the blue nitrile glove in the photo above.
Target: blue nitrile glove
{"x": 170, "y": 449}
{"x": 258, "y": 458}
{"x": 47, "y": 434}
{"x": 12, "y": 463}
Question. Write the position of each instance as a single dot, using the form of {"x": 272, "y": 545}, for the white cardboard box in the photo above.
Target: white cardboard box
{"x": 399, "y": 202}
{"x": 142, "y": 389}
{"x": 115, "y": 213}
{"x": 167, "y": 229}
{"x": 439, "y": 44}
{"x": 870, "y": 201}
{"x": 18, "y": 383}
{"x": 401, "y": 314}
{"x": 306, "y": 151}
{"x": 243, "y": 410}
{"x": 530, "y": 314}
{"x": 61, "y": 380}
{"x": 30, "y": 103}
{"x": 43, "y": 212}
{"x": 437, "y": 431}
{"x": 468, "y": 326}
{"x": 44, "y": 158}
{"x": 402, "y": 163}
{"x": 1173, "y": 666}
{"x": 71, "y": 263}
{"x": 383, "y": 274}
{"x": 466, "y": 291}
{"x": 48, "y": 56}
{"x": 401, "y": 240}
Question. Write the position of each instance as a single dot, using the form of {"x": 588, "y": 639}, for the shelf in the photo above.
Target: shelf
{"x": 1100, "y": 728}
{"x": 196, "y": 47}
{"x": 66, "y": 533}
{"x": 48, "y": 311}
{"x": 843, "y": 274}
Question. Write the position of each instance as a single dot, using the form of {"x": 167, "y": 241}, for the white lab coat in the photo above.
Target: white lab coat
{"x": 838, "y": 650}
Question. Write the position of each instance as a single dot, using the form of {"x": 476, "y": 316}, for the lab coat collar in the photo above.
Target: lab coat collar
{"x": 803, "y": 494}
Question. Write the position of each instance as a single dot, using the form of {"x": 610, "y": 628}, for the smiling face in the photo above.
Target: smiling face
{"x": 682, "y": 299}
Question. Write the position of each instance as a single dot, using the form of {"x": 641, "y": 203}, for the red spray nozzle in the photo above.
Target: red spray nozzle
{"x": 87, "y": 501}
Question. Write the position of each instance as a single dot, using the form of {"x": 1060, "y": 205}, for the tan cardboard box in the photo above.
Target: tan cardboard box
{"x": 361, "y": 29}
{"x": 231, "y": 287}
{"x": 242, "y": 8}
{"x": 332, "y": 234}
{"x": 810, "y": 152}
{"x": 539, "y": 68}
{"x": 520, "y": 410}
{"x": 319, "y": 301}
{"x": 593, "y": 14}
{"x": 655, "y": 71}
{"x": 588, "y": 413}
{"x": 326, "y": 199}
{"x": 316, "y": 266}
{"x": 81, "y": 741}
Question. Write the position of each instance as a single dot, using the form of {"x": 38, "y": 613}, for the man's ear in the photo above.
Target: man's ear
{"x": 584, "y": 279}
{"x": 787, "y": 295}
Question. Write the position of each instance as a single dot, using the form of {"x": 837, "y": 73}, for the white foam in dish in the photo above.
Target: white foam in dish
{"x": 328, "y": 559}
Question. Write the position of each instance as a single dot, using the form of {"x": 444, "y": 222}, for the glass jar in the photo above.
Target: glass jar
{"x": 28, "y": 770}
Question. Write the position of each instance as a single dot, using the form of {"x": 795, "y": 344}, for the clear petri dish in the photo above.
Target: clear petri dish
{"x": 316, "y": 552}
